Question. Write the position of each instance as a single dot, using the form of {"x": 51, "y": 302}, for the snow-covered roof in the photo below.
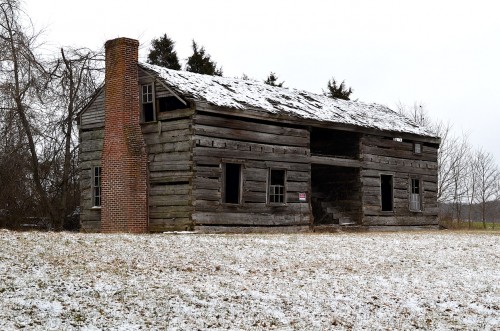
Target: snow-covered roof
{"x": 243, "y": 94}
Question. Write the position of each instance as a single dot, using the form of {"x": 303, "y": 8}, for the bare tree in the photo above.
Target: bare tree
{"x": 22, "y": 79}
{"x": 487, "y": 180}
{"x": 470, "y": 185}
{"x": 417, "y": 112}
{"x": 75, "y": 84}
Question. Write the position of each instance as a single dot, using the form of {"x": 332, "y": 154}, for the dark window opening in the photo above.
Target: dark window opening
{"x": 415, "y": 195}
{"x": 149, "y": 112}
{"x": 386, "y": 190}
{"x": 147, "y": 97}
{"x": 232, "y": 184}
{"x": 333, "y": 142}
{"x": 96, "y": 186}
{"x": 170, "y": 103}
{"x": 276, "y": 186}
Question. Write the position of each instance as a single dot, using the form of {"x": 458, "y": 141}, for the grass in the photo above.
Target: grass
{"x": 464, "y": 225}
{"x": 440, "y": 280}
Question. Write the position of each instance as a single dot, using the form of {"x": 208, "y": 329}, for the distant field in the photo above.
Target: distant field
{"x": 427, "y": 280}
{"x": 464, "y": 225}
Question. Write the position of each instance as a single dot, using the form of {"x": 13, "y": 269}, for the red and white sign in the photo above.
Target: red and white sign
{"x": 302, "y": 196}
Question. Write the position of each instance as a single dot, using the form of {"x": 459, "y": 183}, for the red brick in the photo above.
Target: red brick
{"x": 124, "y": 159}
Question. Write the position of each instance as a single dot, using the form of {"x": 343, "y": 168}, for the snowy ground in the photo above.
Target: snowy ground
{"x": 426, "y": 280}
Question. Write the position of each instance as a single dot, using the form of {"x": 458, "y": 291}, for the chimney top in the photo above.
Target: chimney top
{"x": 121, "y": 40}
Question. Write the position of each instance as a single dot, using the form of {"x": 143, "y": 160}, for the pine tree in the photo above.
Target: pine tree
{"x": 201, "y": 63}
{"x": 272, "y": 80}
{"x": 338, "y": 92}
{"x": 162, "y": 53}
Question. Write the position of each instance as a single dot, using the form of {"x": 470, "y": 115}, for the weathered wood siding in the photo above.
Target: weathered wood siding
{"x": 381, "y": 155}
{"x": 93, "y": 116}
{"x": 90, "y": 151}
{"x": 258, "y": 146}
{"x": 169, "y": 146}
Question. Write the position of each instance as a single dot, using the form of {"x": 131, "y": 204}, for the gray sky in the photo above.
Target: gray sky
{"x": 442, "y": 53}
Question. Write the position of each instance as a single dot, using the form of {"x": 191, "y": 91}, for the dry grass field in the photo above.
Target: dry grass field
{"x": 377, "y": 281}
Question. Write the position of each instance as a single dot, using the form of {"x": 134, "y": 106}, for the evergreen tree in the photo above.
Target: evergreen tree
{"x": 338, "y": 92}
{"x": 201, "y": 63}
{"x": 272, "y": 80}
{"x": 162, "y": 53}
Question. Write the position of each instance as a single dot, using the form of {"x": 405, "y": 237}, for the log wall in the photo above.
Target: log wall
{"x": 381, "y": 155}
{"x": 90, "y": 151}
{"x": 93, "y": 116}
{"x": 258, "y": 146}
{"x": 169, "y": 143}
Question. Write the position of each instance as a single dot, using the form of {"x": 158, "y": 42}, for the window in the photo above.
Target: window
{"x": 417, "y": 148}
{"x": 386, "y": 188}
{"x": 232, "y": 183}
{"x": 276, "y": 186}
{"x": 148, "y": 109}
{"x": 170, "y": 103}
{"x": 415, "y": 195}
{"x": 96, "y": 186}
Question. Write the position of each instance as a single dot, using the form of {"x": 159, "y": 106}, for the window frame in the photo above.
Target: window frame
{"x": 412, "y": 194}
{"x": 268, "y": 191}
{"x": 152, "y": 94}
{"x": 224, "y": 163}
{"x": 415, "y": 144}
{"x": 98, "y": 187}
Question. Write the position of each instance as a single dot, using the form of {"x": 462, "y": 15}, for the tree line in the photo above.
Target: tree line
{"x": 41, "y": 96}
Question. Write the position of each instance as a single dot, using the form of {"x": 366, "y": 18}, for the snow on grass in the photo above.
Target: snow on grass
{"x": 428, "y": 280}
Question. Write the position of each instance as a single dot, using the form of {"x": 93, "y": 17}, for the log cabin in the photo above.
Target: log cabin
{"x": 165, "y": 150}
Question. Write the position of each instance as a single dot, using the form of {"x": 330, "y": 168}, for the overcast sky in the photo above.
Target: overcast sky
{"x": 442, "y": 53}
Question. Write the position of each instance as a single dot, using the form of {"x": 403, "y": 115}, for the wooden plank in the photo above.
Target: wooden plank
{"x": 205, "y": 218}
{"x": 166, "y": 190}
{"x": 90, "y": 156}
{"x": 248, "y": 207}
{"x": 409, "y": 155}
{"x": 243, "y": 155}
{"x": 91, "y": 126}
{"x": 179, "y": 113}
{"x": 91, "y": 145}
{"x": 250, "y": 136}
{"x": 235, "y": 123}
{"x": 169, "y": 200}
{"x": 158, "y": 150}
{"x": 160, "y": 178}
{"x": 170, "y": 166}
{"x": 252, "y": 229}
{"x": 92, "y": 134}
{"x": 203, "y": 171}
{"x": 154, "y": 127}
{"x": 167, "y": 136}
{"x": 334, "y": 161}
{"x": 399, "y": 221}
{"x": 297, "y": 187}
{"x": 170, "y": 224}
{"x": 398, "y": 168}
{"x": 239, "y": 145}
{"x": 205, "y": 194}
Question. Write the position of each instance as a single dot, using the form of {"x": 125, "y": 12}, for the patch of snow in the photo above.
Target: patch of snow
{"x": 242, "y": 94}
{"x": 428, "y": 280}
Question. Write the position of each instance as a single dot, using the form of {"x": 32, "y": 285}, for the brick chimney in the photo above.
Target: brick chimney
{"x": 124, "y": 158}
